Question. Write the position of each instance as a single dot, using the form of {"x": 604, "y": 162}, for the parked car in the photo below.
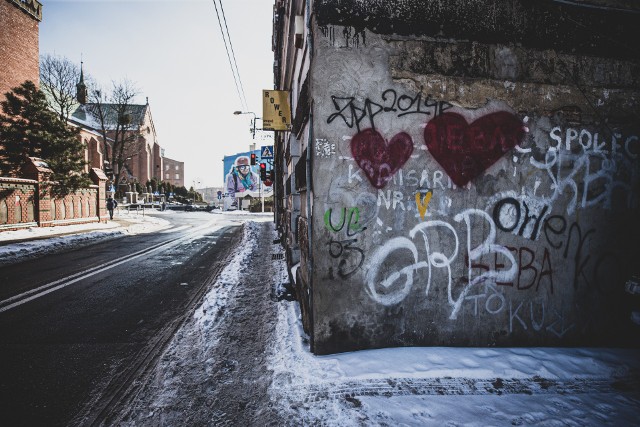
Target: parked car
{"x": 195, "y": 207}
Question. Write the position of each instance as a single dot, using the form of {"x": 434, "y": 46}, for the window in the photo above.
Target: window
{"x": 177, "y": 167}
{"x": 167, "y": 176}
{"x": 177, "y": 176}
{"x": 166, "y": 167}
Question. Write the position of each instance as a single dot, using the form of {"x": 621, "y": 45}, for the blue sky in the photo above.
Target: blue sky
{"x": 173, "y": 51}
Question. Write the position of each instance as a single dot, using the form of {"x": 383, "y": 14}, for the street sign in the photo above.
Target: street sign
{"x": 266, "y": 152}
{"x": 276, "y": 112}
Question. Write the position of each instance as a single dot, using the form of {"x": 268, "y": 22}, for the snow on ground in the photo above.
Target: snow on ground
{"x": 450, "y": 386}
{"x": 402, "y": 386}
{"x": 36, "y": 241}
{"x": 207, "y": 315}
{"x": 436, "y": 385}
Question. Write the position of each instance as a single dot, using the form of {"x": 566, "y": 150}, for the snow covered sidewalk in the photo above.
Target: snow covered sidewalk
{"x": 214, "y": 370}
{"x": 37, "y": 241}
{"x": 243, "y": 356}
{"x": 453, "y": 386}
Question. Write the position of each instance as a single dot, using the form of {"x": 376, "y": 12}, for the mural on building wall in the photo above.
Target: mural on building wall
{"x": 241, "y": 178}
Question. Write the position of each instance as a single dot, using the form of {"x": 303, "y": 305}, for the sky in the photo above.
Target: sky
{"x": 411, "y": 386}
{"x": 173, "y": 51}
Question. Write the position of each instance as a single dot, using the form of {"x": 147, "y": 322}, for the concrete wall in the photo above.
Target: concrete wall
{"x": 475, "y": 180}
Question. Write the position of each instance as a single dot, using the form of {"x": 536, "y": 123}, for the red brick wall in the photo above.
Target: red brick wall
{"x": 17, "y": 203}
{"x": 157, "y": 162}
{"x": 27, "y": 203}
{"x": 19, "y": 48}
{"x": 76, "y": 207}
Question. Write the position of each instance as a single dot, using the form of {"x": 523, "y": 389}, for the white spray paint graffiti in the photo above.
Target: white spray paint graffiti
{"x": 579, "y": 169}
{"x": 523, "y": 313}
{"x": 568, "y": 170}
{"x": 486, "y": 247}
{"x": 436, "y": 260}
{"x": 324, "y": 148}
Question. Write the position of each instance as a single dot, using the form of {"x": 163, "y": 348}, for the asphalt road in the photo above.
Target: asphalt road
{"x": 77, "y": 327}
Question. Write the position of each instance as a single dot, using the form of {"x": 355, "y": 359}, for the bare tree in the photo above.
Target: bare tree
{"x": 119, "y": 122}
{"x": 58, "y": 79}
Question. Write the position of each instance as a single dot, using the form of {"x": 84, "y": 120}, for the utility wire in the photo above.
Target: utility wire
{"x": 226, "y": 47}
{"x": 234, "y": 56}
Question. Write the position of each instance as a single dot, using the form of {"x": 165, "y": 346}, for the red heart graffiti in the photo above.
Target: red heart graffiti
{"x": 466, "y": 150}
{"x": 378, "y": 159}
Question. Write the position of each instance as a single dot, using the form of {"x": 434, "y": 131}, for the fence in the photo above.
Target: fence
{"x": 29, "y": 202}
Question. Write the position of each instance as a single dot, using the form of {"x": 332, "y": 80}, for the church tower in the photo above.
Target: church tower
{"x": 81, "y": 88}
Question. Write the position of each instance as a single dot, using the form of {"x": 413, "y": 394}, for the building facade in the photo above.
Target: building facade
{"x": 173, "y": 172}
{"x": 144, "y": 157}
{"x": 19, "y": 47}
{"x": 460, "y": 173}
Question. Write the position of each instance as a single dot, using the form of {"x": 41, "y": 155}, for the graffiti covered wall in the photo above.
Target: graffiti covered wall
{"x": 488, "y": 206}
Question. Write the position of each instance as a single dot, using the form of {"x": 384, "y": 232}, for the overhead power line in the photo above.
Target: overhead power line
{"x": 233, "y": 54}
{"x": 228, "y": 45}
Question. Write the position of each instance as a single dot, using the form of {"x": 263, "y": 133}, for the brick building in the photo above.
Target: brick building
{"x": 19, "y": 48}
{"x": 143, "y": 156}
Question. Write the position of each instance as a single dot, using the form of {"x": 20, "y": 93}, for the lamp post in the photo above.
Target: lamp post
{"x": 194, "y": 191}
{"x": 253, "y": 127}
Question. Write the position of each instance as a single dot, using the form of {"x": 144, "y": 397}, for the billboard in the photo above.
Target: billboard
{"x": 229, "y": 162}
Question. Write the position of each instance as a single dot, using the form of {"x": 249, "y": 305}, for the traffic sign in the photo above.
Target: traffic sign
{"x": 266, "y": 152}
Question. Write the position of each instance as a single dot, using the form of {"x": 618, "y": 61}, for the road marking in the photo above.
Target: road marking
{"x": 173, "y": 230}
{"x": 32, "y": 294}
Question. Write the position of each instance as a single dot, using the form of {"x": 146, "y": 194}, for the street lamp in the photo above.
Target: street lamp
{"x": 253, "y": 130}
{"x": 194, "y": 190}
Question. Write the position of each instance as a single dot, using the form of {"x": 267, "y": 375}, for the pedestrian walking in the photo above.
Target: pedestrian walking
{"x": 111, "y": 205}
